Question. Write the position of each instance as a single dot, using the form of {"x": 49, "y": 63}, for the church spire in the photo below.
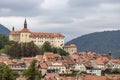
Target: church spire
{"x": 25, "y": 24}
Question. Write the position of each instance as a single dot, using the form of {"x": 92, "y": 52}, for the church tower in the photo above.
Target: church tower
{"x": 25, "y": 24}
{"x": 25, "y": 34}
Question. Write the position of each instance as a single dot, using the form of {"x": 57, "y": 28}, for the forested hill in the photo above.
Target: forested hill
{"x": 100, "y": 42}
{"x": 4, "y": 30}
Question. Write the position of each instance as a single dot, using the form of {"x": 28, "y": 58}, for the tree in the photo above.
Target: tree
{"x": 3, "y": 40}
{"x": 6, "y": 73}
{"x": 32, "y": 73}
{"x": 116, "y": 71}
{"x": 46, "y": 47}
{"x": 18, "y": 50}
{"x": 62, "y": 52}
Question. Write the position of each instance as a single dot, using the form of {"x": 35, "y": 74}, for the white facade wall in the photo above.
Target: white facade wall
{"x": 94, "y": 71}
{"x": 39, "y": 41}
{"x": 61, "y": 69}
{"x": 101, "y": 66}
{"x": 56, "y": 42}
{"x": 24, "y": 37}
{"x": 15, "y": 37}
{"x": 80, "y": 67}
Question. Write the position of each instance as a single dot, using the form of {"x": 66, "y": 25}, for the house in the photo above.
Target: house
{"x": 92, "y": 77}
{"x": 72, "y": 48}
{"x": 114, "y": 63}
{"x": 57, "y": 67}
{"x": 91, "y": 70}
{"x": 50, "y": 56}
{"x": 79, "y": 67}
{"x": 43, "y": 68}
{"x": 51, "y": 76}
{"x": 65, "y": 78}
{"x": 27, "y": 60}
{"x": 113, "y": 76}
{"x": 101, "y": 62}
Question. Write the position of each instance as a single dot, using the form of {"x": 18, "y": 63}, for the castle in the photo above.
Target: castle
{"x": 25, "y": 36}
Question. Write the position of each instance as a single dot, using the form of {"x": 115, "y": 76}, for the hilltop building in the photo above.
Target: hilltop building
{"x": 72, "y": 48}
{"x": 25, "y": 36}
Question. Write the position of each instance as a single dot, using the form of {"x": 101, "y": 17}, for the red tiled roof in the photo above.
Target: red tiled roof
{"x": 28, "y": 59}
{"x": 15, "y": 32}
{"x": 51, "y": 75}
{"x": 116, "y": 61}
{"x": 93, "y": 77}
{"x": 39, "y": 57}
{"x": 38, "y": 34}
{"x": 25, "y": 30}
{"x": 43, "y": 65}
{"x": 70, "y": 46}
{"x": 21, "y": 78}
{"x": 113, "y": 76}
{"x": 43, "y": 34}
{"x": 66, "y": 78}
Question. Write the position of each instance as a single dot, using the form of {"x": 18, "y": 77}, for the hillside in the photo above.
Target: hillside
{"x": 4, "y": 30}
{"x": 100, "y": 42}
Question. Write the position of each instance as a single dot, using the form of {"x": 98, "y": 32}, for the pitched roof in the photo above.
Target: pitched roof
{"x": 43, "y": 65}
{"x": 14, "y": 32}
{"x": 48, "y": 35}
{"x": 26, "y": 30}
{"x": 93, "y": 77}
{"x": 51, "y": 75}
{"x": 70, "y": 46}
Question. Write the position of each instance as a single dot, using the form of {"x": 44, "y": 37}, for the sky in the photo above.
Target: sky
{"x": 72, "y": 18}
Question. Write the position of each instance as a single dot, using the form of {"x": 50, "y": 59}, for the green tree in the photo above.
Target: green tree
{"x": 46, "y": 47}
{"x": 18, "y": 50}
{"x": 32, "y": 73}
{"x": 6, "y": 73}
{"x": 62, "y": 52}
{"x": 116, "y": 71}
{"x": 3, "y": 40}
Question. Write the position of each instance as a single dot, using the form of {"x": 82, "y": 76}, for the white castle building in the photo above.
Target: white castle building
{"x": 25, "y": 36}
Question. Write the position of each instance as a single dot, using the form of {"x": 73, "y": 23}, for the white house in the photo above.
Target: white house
{"x": 79, "y": 67}
{"x": 94, "y": 71}
{"x": 57, "y": 67}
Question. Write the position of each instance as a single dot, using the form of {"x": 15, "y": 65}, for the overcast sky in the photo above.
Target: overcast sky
{"x": 72, "y": 18}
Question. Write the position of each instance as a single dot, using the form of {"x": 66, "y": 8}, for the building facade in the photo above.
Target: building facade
{"x": 25, "y": 36}
{"x": 72, "y": 48}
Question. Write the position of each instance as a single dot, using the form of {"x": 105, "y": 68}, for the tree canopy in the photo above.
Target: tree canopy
{"x": 3, "y": 40}
{"x": 6, "y": 73}
{"x": 19, "y": 50}
{"x": 48, "y": 48}
{"x": 32, "y": 73}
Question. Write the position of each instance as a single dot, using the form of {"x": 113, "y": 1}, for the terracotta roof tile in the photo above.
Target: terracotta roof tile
{"x": 25, "y": 30}
{"x": 43, "y": 65}
{"x": 14, "y": 32}
{"x": 44, "y": 35}
{"x": 93, "y": 77}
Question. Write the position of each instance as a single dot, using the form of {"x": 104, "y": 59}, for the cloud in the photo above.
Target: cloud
{"x": 73, "y": 18}
{"x": 20, "y": 7}
{"x": 90, "y": 3}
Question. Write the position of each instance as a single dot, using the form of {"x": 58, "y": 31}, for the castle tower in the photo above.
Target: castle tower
{"x": 25, "y": 34}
